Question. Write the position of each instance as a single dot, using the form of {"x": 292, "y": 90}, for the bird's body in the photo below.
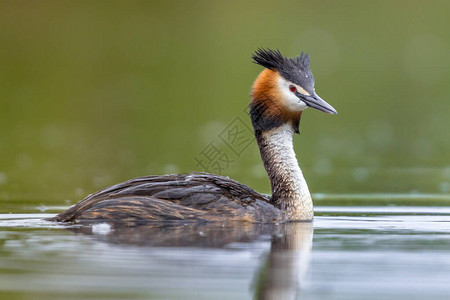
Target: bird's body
{"x": 279, "y": 95}
{"x": 186, "y": 197}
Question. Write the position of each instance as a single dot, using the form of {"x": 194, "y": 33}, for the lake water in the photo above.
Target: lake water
{"x": 357, "y": 252}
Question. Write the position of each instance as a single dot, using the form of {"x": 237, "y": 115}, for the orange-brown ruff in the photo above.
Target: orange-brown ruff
{"x": 279, "y": 95}
{"x": 265, "y": 92}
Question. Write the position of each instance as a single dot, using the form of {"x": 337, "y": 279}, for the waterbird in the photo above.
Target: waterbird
{"x": 279, "y": 95}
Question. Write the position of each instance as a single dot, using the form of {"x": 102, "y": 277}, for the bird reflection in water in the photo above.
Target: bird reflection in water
{"x": 280, "y": 273}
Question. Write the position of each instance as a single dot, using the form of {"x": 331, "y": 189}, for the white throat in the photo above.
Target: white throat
{"x": 289, "y": 189}
{"x": 291, "y": 101}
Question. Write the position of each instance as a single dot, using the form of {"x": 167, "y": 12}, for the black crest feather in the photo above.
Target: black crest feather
{"x": 296, "y": 69}
{"x": 274, "y": 60}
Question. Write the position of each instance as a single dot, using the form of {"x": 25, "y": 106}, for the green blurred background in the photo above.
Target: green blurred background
{"x": 96, "y": 92}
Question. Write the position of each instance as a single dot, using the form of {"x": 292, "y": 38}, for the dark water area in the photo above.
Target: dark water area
{"x": 373, "y": 252}
{"x": 92, "y": 94}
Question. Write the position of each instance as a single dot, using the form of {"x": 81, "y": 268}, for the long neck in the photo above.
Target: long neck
{"x": 290, "y": 192}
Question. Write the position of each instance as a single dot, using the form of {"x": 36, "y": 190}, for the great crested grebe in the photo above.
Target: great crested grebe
{"x": 279, "y": 95}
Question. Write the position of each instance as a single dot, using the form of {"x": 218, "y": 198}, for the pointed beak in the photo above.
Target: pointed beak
{"x": 318, "y": 103}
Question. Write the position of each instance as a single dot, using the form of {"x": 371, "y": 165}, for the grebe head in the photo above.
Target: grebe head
{"x": 283, "y": 90}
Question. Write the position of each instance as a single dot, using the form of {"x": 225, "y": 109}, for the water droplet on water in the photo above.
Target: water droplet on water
{"x": 102, "y": 228}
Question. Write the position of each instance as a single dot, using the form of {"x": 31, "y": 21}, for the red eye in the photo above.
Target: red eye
{"x": 292, "y": 88}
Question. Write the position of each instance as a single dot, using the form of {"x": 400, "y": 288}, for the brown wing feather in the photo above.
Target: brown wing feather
{"x": 188, "y": 197}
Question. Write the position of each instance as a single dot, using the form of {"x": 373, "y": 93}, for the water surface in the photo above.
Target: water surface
{"x": 370, "y": 252}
